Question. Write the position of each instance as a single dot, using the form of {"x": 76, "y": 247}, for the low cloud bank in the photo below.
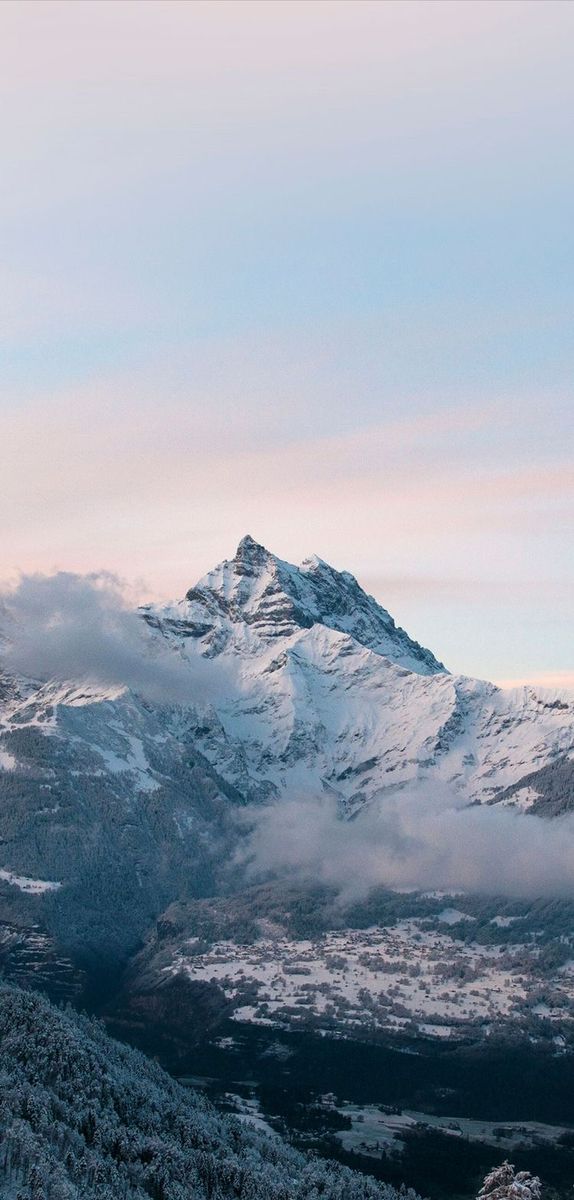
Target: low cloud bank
{"x": 422, "y": 841}
{"x": 81, "y": 627}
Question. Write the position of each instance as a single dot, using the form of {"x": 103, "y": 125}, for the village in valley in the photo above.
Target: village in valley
{"x": 404, "y": 979}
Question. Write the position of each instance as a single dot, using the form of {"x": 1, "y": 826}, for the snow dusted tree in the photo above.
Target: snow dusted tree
{"x": 505, "y": 1183}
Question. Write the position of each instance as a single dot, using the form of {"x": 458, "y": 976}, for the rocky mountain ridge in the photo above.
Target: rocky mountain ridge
{"x": 327, "y": 693}
{"x": 278, "y": 600}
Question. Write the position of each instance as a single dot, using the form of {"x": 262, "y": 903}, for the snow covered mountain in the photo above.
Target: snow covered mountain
{"x": 257, "y": 593}
{"x": 114, "y": 806}
{"x": 328, "y": 694}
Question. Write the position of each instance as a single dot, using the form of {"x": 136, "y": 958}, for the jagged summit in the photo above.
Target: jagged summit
{"x": 250, "y": 554}
{"x": 278, "y": 600}
{"x": 319, "y": 690}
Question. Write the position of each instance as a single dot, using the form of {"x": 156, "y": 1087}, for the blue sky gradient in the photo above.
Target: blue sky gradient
{"x": 303, "y": 270}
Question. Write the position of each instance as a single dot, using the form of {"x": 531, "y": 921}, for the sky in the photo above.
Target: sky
{"x": 304, "y": 271}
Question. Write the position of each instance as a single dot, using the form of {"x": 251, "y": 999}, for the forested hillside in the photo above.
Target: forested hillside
{"x": 84, "y": 1118}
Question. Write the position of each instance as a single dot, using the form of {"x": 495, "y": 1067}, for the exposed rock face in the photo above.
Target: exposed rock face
{"x": 172, "y": 1015}
{"x": 279, "y": 600}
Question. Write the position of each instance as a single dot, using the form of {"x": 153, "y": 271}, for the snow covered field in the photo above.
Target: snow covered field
{"x": 400, "y": 978}
{"x": 36, "y": 887}
{"x": 374, "y": 1131}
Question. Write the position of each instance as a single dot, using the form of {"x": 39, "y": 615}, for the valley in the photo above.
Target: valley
{"x": 409, "y": 1110}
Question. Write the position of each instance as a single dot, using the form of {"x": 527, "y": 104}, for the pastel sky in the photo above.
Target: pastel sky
{"x": 303, "y": 270}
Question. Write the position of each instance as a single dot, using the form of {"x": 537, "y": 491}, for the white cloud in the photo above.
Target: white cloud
{"x": 418, "y": 840}
{"x": 69, "y": 627}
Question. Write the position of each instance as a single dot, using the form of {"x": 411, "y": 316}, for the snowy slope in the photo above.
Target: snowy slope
{"x": 329, "y": 694}
{"x": 107, "y": 813}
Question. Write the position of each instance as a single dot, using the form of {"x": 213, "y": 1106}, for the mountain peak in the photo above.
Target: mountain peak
{"x": 275, "y": 600}
{"x": 251, "y": 554}
{"x": 314, "y": 563}
{"x": 248, "y": 545}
